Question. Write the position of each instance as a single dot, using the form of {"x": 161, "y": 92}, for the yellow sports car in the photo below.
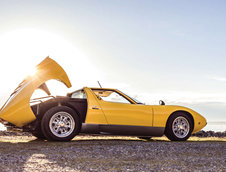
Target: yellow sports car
{"x": 93, "y": 111}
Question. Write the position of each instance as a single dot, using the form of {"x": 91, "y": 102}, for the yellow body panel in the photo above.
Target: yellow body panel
{"x": 17, "y": 109}
{"x": 134, "y": 114}
{"x": 95, "y": 114}
{"x": 127, "y": 114}
{"x": 162, "y": 113}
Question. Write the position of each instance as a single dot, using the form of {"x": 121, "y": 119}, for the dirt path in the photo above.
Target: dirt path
{"x": 23, "y": 153}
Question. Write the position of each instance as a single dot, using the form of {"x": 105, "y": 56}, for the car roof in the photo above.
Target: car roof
{"x": 97, "y": 88}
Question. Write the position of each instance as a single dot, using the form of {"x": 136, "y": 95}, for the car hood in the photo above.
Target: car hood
{"x": 17, "y": 108}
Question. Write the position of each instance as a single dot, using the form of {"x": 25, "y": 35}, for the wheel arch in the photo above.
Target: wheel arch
{"x": 45, "y": 107}
{"x": 181, "y": 111}
{"x": 52, "y": 132}
{"x": 74, "y": 109}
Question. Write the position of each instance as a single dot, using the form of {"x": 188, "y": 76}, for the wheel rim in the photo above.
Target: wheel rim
{"x": 62, "y": 124}
{"x": 181, "y": 127}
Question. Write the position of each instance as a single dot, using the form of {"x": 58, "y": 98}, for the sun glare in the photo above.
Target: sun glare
{"x": 23, "y": 49}
{"x": 32, "y": 72}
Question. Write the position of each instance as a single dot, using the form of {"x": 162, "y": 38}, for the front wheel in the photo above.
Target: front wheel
{"x": 60, "y": 123}
{"x": 179, "y": 127}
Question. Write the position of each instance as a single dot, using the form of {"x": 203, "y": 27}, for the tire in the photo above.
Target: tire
{"x": 145, "y": 138}
{"x": 39, "y": 135}
{"x": 60, "y": 123}
{"x": 179, "y": 127}
{"x": 37, "y": 132}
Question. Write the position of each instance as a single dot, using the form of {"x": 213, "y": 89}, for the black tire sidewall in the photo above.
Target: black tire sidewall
{"x": 169, "y": 131}
{"x": 37, "y": 132}
{"x": 46, "y": 119}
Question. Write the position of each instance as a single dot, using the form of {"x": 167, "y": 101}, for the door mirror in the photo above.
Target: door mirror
{"x": 161, "y": 102}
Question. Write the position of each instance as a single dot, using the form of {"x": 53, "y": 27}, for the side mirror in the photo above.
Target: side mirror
{"x": 161, "y": 102}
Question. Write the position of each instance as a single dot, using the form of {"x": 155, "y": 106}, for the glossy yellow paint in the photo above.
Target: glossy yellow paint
{"x": 127, "y": 114}
{"x": 95, "y": 113}
{"x": 17, "y": 109}
{"x": 134, "y": 114}
{"x": 162, "y": 113}
{"x": 117, "y": 113}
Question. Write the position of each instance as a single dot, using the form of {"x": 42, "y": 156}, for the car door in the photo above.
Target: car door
{"x": 95, "y": 114}
{"x": 119, "y": 110}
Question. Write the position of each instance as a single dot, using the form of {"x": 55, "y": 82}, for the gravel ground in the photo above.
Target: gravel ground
{"x": 99, "y": 153}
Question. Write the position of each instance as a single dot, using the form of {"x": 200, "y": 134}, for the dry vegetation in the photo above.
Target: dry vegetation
{"x": 101, "y": 153}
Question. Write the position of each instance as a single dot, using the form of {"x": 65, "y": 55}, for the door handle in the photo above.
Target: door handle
{"x": 95, "y": 107}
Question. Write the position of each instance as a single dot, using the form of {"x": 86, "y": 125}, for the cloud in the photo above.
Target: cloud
{"x": 218, "y": 78}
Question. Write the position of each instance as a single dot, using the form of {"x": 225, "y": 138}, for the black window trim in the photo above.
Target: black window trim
{"x": 117, "y": 91}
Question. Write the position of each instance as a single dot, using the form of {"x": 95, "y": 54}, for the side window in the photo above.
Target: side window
{"x": 79, "y": 95}
{"x": 111, "y": 96}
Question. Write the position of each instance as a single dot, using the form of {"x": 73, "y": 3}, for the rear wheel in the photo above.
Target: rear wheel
{"x": 179, "y": 127}
{"x": 60, "y": 123}
{"x": 37, "y": 132}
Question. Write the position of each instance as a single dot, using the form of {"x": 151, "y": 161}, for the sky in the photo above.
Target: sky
{"x": 153, "y": 50}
